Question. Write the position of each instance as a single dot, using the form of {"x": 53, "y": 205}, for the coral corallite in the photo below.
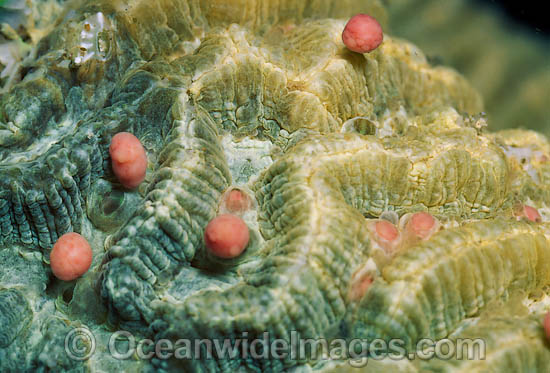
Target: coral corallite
{"x": 71, "y": 257}
{"x": 285, "y": 173}
{"x": 129, "y": 159}
{"x": 226, "y": 236}
{"x": 362, "y": 34}
{"x": 421, "y": 225}
{"x": 385, "y": 234}
{"x": 386, "y": 230}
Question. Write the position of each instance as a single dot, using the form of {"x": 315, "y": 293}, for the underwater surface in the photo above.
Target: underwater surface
{"x": 226, "y": 186}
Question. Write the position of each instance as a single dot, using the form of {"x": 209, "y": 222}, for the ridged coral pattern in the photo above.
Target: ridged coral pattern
{"x": 350, "y": 137}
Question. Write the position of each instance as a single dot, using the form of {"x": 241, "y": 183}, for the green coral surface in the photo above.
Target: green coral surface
{"x": 263, "y": 96}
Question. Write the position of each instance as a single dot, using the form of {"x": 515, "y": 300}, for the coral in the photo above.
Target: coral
{"x": 460, "y": 271}
{"x": 51, "y": 354}
{"x": 16, "y": 315}
{"x": 324, "y": 145}
{"x": 514, "y": 344}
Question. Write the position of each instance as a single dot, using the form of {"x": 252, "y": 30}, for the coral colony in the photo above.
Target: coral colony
{"x": 185, "y": 169}
{"x": 70, "y": 257}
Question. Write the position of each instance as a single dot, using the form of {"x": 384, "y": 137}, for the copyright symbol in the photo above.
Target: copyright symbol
{"x": 80, "y": 344}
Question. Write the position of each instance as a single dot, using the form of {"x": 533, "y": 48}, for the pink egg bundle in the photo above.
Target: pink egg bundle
{"x": 362, "y": 34}
{"x": 71, "y": 256}
{"x": 128, "y": 158}
{"x": 226, "y": 236}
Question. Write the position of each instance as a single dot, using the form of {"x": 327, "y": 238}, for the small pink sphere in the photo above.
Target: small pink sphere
{"x": 129, "y": 159}
{"x": 226, "y": 236}
{"x": 237, "y": 201}
{"x": 422, "y": 225}
{"x": 71, "y": 257}
{"x": 362, "y": 34}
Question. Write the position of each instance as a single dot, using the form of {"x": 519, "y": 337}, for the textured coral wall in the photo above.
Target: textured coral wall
{"x": 263, "y": 96}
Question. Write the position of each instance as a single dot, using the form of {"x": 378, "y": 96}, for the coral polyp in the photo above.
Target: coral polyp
{"x": 236, "y": 201}
{"x": 238, "y": 171}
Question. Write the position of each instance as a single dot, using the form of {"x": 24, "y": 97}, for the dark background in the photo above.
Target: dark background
{"x": 531, "y": 14}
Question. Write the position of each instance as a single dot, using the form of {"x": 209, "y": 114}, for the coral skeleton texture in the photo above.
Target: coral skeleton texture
{"x": 262, "y": 97}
